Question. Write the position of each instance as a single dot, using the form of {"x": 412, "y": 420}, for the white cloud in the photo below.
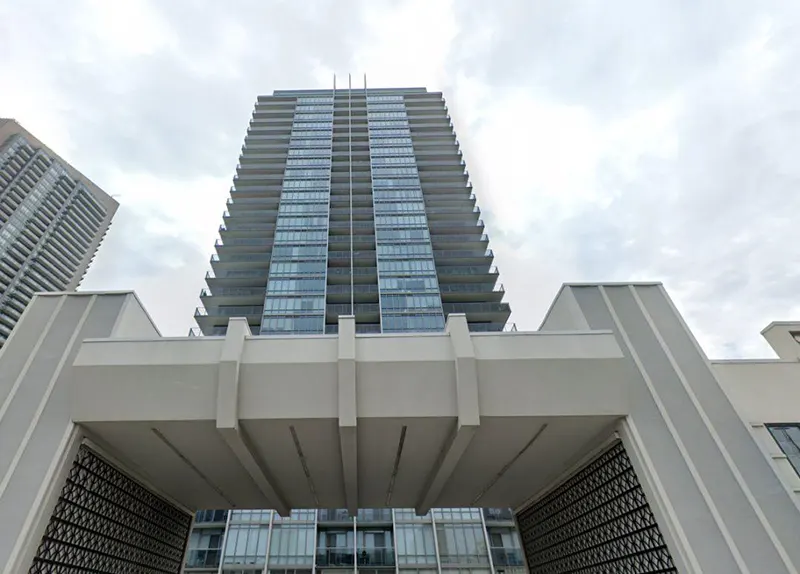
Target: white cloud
{"x": 639, "y": 140}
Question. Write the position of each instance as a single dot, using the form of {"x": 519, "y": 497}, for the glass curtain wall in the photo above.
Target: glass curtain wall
{"x": 444, "y": 541}
{"x": 408, "y": 290}
{"x": 295, "y": 296}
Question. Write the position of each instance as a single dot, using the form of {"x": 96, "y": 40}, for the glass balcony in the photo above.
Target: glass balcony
{"x": 345, "y": 289}
{"x": 471, "y": 288}
{"x": 375, "y": 556}
{"x": 207, "y": 516}
{"x": 335, "y": 557}
{"x": 334, "y": 515}
{"x": 203, "y": 558}
{"x": 375, "y": 515}
{"x": 498, "y": 514}
{"x": 476, "y": 308}
{"x": 507, "y": 557}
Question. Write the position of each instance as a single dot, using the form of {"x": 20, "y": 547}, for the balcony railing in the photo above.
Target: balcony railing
{"x": 207, "y": 558}
{"x": 334, "y": 515}
{"x": 507, "y": 557}
{"x": 467, "y": 270}
{"x": 492, "y": 327}
{"x": 476, "y": 308}
{"x": 206, "y": 516}
{"x": 232, "y": 292}
{"x": 470, "y": 288}
{"x": 375, "y": 515}
{"x": 375, "y": 556}
{"x": 345, "y": 289}
{"x": 498, "y": 514}
{"x": 359, "y": 308}
{"x": 230, "y": 311}
{"x": 335, "y": 557}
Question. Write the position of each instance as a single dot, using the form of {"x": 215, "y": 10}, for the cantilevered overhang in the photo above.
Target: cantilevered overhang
{"x": 346, "y": 421}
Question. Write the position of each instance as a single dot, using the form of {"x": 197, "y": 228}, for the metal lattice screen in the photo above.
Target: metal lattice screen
{"x": 106, "y": 522}
{"x": 598, "y": 521}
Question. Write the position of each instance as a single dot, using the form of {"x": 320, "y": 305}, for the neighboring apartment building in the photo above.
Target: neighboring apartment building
{"x": 52, "y": 220}
{"x": 353, "y": 202}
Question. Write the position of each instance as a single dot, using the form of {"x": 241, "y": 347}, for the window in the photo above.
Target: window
{"x": 394, "y": 160}
{"x": 302, "y": 222}
{"x": 457, "y": 514}
{"x": 408, "y": 284}
{"x": 291, "y": 544}
{"x": 406, "y": 323}
{"x": 308, "y": 173}
{"x": 405, "y": 514}
{"x": 305, "y": 134}
{"x": 293, "y": 305}
{"x": 377, "y": 140}
{"x": 315, "y": 100}
{"x": 296, "y": 286}
{"x": 374, "y": 106}
{"x": 383, "y": 98}
{"x": 405, "y": 250}
{"x": 400, "y": 207}
{"x": 406, "y": 267}
{"x": 304, "y": 196}
{"x": 461, "y": 544}
{"x": 296, "y": 141}
{"x": 391, "y": 151}
{"x": 246, "y": 545}
{"x": 205, "y": 546}
{"x": 415, "y": 544}
{"x": 390, "y": 133}
{"x": 303, "y": 183}
{"x": 386, "y": 114}
{"x": 210, "y": 516}
{"x": 314, "y": 324}
{"x": 299, "y": 252}
{"x": 320, "y": 208}
{"x": 788, "y": 438}
{"x": 297, "y": 268}
{"x": 318, "y": 116}
{"x": 401, "y": 220}
{"x": 404, "y": 235}
{"x": 505, "y": 547}
{"x": 306, "y": 152}
{"x": 416, "y": 303}
{"x": 301, "y": 236}
{"x": 308, "y": 161}
{"x": 260, "y": 516}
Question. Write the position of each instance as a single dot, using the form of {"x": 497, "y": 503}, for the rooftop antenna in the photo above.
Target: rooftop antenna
{"x": 365, "y": 82}
{"x": 334, "y": 82}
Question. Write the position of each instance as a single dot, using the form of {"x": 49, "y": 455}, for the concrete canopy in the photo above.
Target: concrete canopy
{"x": 444, "y": 419}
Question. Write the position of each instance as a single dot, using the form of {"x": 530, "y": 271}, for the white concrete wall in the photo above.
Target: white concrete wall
{"x": 38, "y": 439}
{"x": 766, "y": 392}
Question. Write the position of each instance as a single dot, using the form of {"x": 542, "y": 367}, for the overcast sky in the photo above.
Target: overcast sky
{"x": 607, "y": 140}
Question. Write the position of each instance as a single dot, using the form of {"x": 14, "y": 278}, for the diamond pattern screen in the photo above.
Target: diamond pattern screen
{"x": 107, "y": 522}
{"x": 597, "y": 522}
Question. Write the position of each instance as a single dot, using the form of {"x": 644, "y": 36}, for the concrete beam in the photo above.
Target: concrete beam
{"x": 468, "y": 412}
{"x": 228, "y": 416}
{"x": 348, "y": 415}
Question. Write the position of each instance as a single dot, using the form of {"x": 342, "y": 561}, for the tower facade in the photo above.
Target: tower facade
{"x": 52, "y": 220}
{"x": 353, "y": 202}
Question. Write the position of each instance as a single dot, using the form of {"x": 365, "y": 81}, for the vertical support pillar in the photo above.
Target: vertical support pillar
{"x": 39, "y": 441}
{"x": 720, "y": 505}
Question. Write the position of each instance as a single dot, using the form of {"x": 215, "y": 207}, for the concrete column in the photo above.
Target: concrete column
{"x": 718, "y": 501}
